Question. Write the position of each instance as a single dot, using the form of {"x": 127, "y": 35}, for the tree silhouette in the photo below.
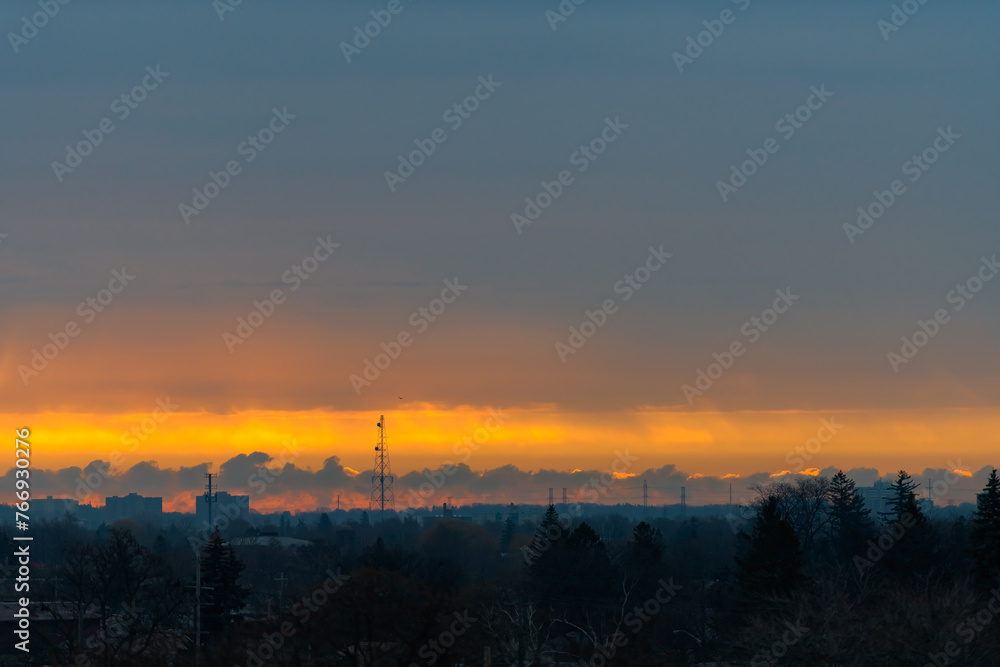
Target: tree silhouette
{"x": 220, "y": 572}
{"x": 646, "y": 545}
{"x": 986, "y": 533}
{"x": 773, "y": 559}
{"x": 911, "y": 550}
{"x": 850, "y": 520}
{"x": 508, "y": 534}
{"x": 901, "y": 497}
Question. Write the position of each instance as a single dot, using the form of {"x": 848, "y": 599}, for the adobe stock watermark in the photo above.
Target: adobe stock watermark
{"x": 264, "y": 309}
{"x": 466, "y": 447}
{"x": 363, "y": 36}
{"x": 88, "y": 310}
{"x": 696, "y": 44}
{"x": 223, "y": 7}
{"x": 927, "y": 329}
{"x": 565, "y": 9}
{"x": 302, "y": 610}
{"x": 914, "y": 168}
{"x": 259, "y": 479}
{"x": 454, "y": 116}
{"x": 892, "y": 533}
{"x": 899, "y": 17}
{"x": 122, "y": 107}
{"x": 967, "y": 629}
{"x": 132, "y": 438}
{"x": 798, "y": 456}
{"x": 249, "y": 149}
{"x": 420, "y": 320}
{"x": 627, "y": 287}
{"x": 779, "y": 648}
{"x": 635, "y": 620}
{"x": 590, "y": 491}
{"x": 787, "y": 125}
{"x": 753, "y": 329}
{"x": 432, "y": 651}
{"x": 581, "y": 158}
{"x": 31, "y": 25}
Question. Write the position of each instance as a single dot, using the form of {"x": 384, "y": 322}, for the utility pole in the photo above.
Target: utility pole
{"x": 197, "y": 608}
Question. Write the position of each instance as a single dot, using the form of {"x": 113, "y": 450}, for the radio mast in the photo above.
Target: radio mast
{"x": 382, "y": 496}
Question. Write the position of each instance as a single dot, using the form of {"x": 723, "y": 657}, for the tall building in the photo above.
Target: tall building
{"x": 133, "y": 506}
{"x": 874, "y": 497}
{"x": 53, "y": 508}
{"x": 223, "y": 505}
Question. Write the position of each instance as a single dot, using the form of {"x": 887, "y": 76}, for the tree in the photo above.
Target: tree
{"x": 645, "y": 548}
{"x": 911, "y": 550}
{"x": 222, "y": 596}
{"x": 849, "y": 518}
{"x": 772, "y": 560}
{"x": 901, "y": 496}
{"x": 508, "y": 534}
{"x": 325, "y": 525}
{"x": 986, "y": 532}
{"x": 545, "y": 553}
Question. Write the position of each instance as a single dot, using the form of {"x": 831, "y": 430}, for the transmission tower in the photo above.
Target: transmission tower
{"x": 645, "y": 494}
{"x": 382, "y": 478}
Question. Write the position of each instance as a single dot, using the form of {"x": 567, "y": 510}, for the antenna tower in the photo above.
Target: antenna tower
{"x": 210, "y": 498}
{"x": 382, "y": 496}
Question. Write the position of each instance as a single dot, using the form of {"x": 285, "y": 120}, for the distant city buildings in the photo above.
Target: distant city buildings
{"x": 132, "y": 506}
{"x": 223, "y": 505}
{"x": 51, "y": 508}
{"x": 874, "y": 497}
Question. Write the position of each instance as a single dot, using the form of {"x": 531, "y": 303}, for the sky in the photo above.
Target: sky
{"x": 696, "y": 286}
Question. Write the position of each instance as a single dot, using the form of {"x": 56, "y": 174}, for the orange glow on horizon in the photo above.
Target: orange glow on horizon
{"x": 425, "y": 436}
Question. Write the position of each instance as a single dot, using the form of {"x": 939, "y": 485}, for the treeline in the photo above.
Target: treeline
{"x": 805, "y": 573}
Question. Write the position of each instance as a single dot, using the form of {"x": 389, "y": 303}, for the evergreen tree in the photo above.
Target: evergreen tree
{"x": 551, "y": 521}
{"x": 850, "y": 520}
{"x": 585, "y": 566}
{"x": 325, "y": 524}
{"x": 901, "y": 496}
{"x": 986, "y": 533}
{"x": 545, "y": 552}
{"x": 508, "y": 535}
{"x": 220, "y": 573}
{"x": 646, "y": 547}
{"x": 773, "y": 559}
{"x": 912, "y": 545}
